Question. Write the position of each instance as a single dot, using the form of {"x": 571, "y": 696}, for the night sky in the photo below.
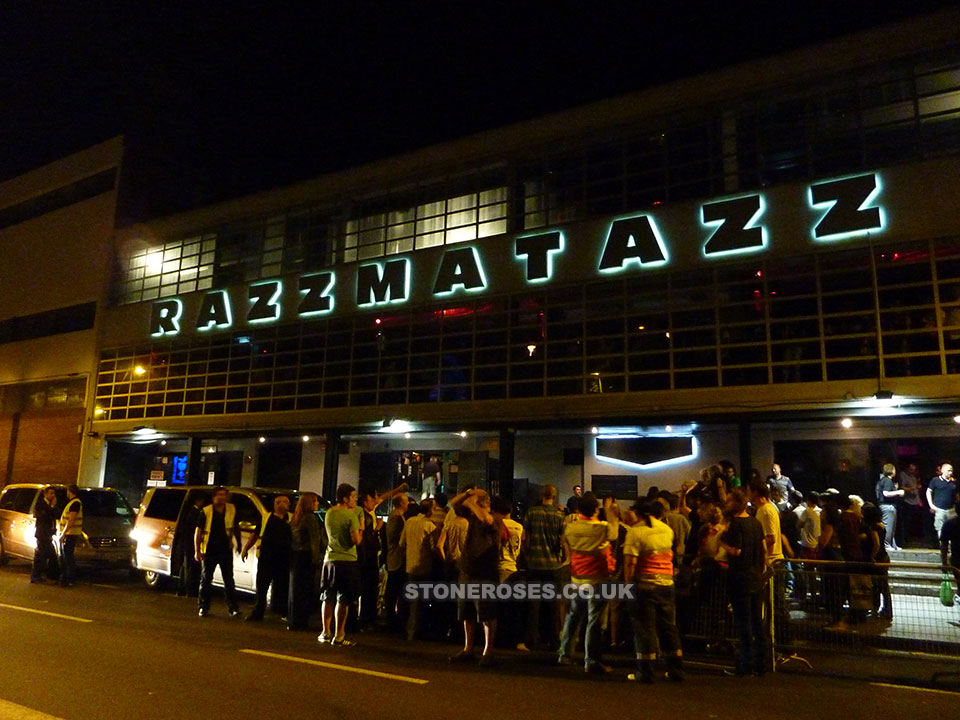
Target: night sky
{"x": 217, "y": 103}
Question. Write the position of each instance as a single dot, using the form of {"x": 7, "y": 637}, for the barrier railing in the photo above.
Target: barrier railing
{"x": 851, "y": 607}
{"x": 820, "y": 605}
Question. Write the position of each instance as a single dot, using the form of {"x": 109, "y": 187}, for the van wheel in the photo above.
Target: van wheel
{"x": 154, "y": 580}
{"x": 4, "y": 558}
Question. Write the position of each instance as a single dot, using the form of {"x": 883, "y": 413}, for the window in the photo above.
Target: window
{"x": 18, "y": 499}
{"x": 458, "y": 219}
{"x": 165, "y": 504}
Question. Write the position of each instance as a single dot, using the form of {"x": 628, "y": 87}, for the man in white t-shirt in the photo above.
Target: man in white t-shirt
{"x": 809, "y": 543}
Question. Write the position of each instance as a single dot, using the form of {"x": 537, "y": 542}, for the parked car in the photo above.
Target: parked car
{"x": 107, "y": 519}
{"x": 164, "y": 532}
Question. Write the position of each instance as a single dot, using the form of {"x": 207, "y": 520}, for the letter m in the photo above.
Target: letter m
{"x": 385, "y": 283}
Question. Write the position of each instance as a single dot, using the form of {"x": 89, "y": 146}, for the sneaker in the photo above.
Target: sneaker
{"x": 461, "y": 657}
{"x": 236, "y": 614}
{"x": 640, "y": 678}
{"x": 203, "y": 612}
{"x": 486, "y": 661}
{"x": 564, "y": 660}
{"x": 324, "y": 638}
{"x": 597, "y": 669}
{"x": 342, "y": 642}
{"x": 522, "y": 647}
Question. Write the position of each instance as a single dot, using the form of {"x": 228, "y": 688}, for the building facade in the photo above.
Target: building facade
{"x": 56, "y": 234}
{"x": 613, "y": 296}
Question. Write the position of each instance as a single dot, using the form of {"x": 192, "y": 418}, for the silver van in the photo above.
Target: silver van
{"x": 107, "y": 520}
{"x": 165, "y": 527}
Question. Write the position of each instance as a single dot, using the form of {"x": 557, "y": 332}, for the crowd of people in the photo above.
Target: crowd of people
{"x": 356, "y": 570}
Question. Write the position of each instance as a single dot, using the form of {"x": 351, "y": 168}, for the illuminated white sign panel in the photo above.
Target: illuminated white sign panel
{"x": 848, "y": 207}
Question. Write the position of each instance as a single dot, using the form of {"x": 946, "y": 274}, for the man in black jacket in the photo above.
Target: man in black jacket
{"x": 45, "y": 556}
{"x": 273, "y": 564}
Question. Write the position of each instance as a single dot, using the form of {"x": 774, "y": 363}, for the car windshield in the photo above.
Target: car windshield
{"x": 104, "y": 503}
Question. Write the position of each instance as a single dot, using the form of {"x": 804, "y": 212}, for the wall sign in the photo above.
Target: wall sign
{"x": 840, "y": 208}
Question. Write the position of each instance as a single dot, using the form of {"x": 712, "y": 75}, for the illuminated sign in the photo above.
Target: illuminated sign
{"x": 214, "y": 311}
{"x": 634, "y": 239}
{"x": 380, "y": 284}
{"x": 538, "y": 250}
{"x": 460, "y": 268}
{"x": 165, "y": 317}
{"x": 849, "y": 207}
{"x": 735, "y": 224}
{"x": 264, "y": 302}
{"x": 838, "y": 209}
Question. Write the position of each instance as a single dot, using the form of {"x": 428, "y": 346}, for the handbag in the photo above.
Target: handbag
{"x": 946, "y": 591}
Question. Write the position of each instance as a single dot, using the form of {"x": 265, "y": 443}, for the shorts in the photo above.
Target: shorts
{"x": 476, "y": 610}
{"x": 340, "y": 581}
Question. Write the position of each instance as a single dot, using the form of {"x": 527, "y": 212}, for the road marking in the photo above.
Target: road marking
{"x": 333, "y": 666}
{"x": 44, "y": 612}
{"x": 918, "y": 689}
{"x": 12, "y": 711}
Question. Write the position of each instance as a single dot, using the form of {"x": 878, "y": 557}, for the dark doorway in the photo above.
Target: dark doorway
{"x": 128, "y": 467}
{"x": 278, "y": 465}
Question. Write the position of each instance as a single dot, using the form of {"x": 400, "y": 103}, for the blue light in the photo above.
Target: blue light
{"x": 483, "y": 278}
{"x": 867, "y": 204}
{"x": 633, "y": 243}
{"x": 752, "y": 224}
{"x": 694, "y": 444}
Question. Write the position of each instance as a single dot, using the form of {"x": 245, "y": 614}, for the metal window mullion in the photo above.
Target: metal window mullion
{"x": 938, "y": 311}
{"x": 881, "y": 372}
{"x": 822, "y": 331}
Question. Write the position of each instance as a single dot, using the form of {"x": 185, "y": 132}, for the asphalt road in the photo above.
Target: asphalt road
{"x": 117, "y": 650}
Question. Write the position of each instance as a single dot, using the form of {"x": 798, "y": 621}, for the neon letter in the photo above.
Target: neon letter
{"x": 735, "y": 226}
{"x": 165, "y": 317}
{"x": 460, "y": 267}
{"x": 214, "y": 311}
{"x": 265, "y": 301}
{"x": 316, "y": 294}
{"x": 632, "y": 240}
{"x": 849, "y": 207}
{"x": 388, "y": 283}
{"x": 539, "y": 251}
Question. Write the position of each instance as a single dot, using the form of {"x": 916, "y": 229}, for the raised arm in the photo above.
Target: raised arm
{"x": 383, "y": 497}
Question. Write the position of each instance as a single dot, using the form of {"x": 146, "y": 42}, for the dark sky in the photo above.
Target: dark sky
{"x": 220, "y": 99}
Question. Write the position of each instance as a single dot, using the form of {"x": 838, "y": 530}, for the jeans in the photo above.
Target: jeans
{"x": 653, "y": 616}
{"x": 45, "y": 560}
{"x": 210, "y": 562}
{"x": 534, "y": 607}
{"x": 747, "y": 606}
{"x": 68, "y": 547}
{"x": 580, "y": 607}
{"x": 275, "y": 571}
{"x": 939, "y": 518}
{"x": 889, "y": 513}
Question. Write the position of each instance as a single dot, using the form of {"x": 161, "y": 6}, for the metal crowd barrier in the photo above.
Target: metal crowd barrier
{"x": 818, "y": 606}
{"x": 856, "y": 607}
